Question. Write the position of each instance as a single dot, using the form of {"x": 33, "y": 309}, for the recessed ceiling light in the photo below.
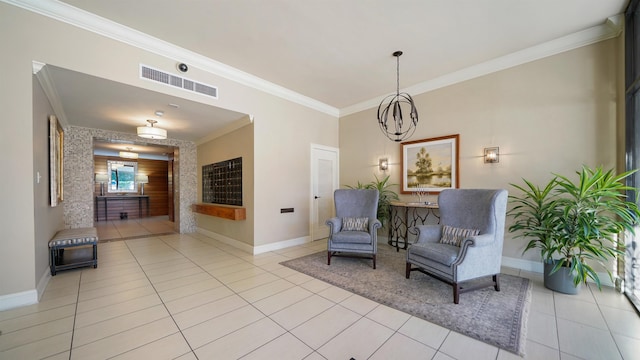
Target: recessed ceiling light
{"x": 174, "y": 105}
{"x": 159, "y": 112}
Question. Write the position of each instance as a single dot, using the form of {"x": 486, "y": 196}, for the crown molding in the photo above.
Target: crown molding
{"x": 68, "y": 14}
{"x": 44, "y": 78}
{"x": 88, "y": 21}
{"x": 610, "y": 29}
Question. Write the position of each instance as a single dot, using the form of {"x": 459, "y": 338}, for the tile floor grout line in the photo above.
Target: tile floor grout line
{"x": 223, "y": 284}
{"x": 238, "y": 293}
{"x": 75, "y": 315}
{"x": 315, "y": 316}
{"x": 609, "y": 329}
{"x": 555, "y": 318}
{"x": 257, "y": 309}
{"x": 160, "y": 298}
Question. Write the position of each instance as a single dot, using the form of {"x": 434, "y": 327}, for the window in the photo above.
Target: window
{"x": 632, "y": 153}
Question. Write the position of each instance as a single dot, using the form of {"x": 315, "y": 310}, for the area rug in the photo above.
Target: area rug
{"x": 496, "y": 318}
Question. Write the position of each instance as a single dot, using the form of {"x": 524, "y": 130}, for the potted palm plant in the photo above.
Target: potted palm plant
{"x": 574, "y": 224}
{"x": 386, "y": 195}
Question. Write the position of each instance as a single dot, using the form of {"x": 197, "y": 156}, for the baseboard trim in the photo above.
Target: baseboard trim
{"x": 280, "y": 245}
{"x": 521, "y": 264}
{"x": 19, "y": 299}
{"x": 538, "y": 267}
{"x": 255, "y": 250}
{"x": 226, "y": 240}
{"x": 42, "y": 284}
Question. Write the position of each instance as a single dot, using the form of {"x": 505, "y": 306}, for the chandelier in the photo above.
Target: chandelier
{"x": 398, "y": 130}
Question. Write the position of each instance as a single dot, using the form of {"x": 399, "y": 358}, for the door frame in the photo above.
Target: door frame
{"x": 336, "y": 183}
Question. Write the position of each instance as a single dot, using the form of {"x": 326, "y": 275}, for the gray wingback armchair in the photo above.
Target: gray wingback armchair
{"x": 354, "y": 229}
{"x": 468, "y": 242}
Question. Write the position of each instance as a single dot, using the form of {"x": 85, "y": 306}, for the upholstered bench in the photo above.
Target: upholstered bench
{"x": 68, "y": 238}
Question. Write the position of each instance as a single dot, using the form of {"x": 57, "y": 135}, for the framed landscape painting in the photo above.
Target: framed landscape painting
{"x": 56, "y": 160}
{"x": 430, "y": 165}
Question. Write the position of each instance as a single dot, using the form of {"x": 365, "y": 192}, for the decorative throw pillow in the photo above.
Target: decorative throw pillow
{"x": 355, "y": 224}
{"x": 454, "y": 236}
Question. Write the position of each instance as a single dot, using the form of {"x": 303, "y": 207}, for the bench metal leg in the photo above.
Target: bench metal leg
{"x": 53, "y": 261}
{"x": 95, "y": 256}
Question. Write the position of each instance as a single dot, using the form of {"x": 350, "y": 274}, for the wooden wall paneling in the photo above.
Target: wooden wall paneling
{"x": 157, "y": 189}
{"x": 170, "y": 201}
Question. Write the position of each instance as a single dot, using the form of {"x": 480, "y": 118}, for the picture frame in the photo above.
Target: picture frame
{"x": 430, "y": 165}
{"x": 56, "y": 161}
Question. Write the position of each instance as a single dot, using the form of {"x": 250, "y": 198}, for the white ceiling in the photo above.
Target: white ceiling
{"x": 337, "y": 52}
{"x": 98, "y": 103}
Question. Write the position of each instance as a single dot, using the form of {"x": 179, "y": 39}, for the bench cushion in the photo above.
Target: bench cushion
{"x": 74, "y": 237}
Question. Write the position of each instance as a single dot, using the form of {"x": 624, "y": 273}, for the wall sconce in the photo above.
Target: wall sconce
{"x": 491, "y": 155}
{"x": 383, "y": 164}
{"x": 142, "y": 179}
{"x": 101, "y": 179}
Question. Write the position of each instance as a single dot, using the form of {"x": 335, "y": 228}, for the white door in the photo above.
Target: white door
{"x": 324, "y": 181}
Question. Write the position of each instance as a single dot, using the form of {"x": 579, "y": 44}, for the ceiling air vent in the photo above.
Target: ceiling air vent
{"x": 177, "y": 81}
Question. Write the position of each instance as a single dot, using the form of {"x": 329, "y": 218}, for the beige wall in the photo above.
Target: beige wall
{"x": 238, "y": 143}
{"x": 283, "y": 132}
{"x": 17, "y": 272}
{"x": 47, "y": 219}
{"x": 283, "y": 169}
{"x": 551, "y": 115}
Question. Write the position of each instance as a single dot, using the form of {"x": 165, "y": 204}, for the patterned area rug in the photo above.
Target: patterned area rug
{"x": 497, "y": 318}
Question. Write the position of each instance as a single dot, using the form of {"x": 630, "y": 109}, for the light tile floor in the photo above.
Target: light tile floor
{"x": 133, "y": 228}
{"x": 192, "y": 297}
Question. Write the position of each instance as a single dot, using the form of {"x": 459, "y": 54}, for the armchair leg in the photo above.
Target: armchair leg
{"x": 408, "y": 271}
{"x": 456, "y": 293}
{"x": 496, "y": 282}
{"x": 374, "y": 261}
{"x": 328, "y": 257}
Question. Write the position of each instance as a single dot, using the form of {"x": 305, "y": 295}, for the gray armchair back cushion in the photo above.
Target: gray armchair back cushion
{"x": 473, "y": 209}
{"x": 356, "y": 203}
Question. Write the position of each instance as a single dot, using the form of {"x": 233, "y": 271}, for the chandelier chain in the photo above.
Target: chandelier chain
{"x": 398, "y": 74}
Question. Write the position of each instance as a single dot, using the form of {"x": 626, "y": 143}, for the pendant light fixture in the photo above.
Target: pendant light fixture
{"x": 128, "y": 154}
{"x": 398, "y": 130}
{"x": 151, "y": 132}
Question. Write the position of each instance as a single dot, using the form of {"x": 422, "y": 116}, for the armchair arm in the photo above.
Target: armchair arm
{"x": 428, "y": 233}
{"x": 478, "y": 240}
{"x": 374, "y": 225}
{"x": 335, "y": 224}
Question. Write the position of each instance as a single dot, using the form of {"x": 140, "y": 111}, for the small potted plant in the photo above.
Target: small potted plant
{"x": 574, "y": 224}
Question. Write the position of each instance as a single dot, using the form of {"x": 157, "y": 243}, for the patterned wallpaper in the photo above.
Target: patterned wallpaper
{"x": 78, "y": 180}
